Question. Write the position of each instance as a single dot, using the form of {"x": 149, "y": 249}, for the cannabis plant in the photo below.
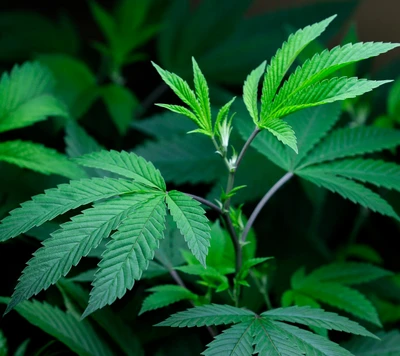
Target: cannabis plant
{"x": 27, "y": 96}
{"x": 132, "y": 208}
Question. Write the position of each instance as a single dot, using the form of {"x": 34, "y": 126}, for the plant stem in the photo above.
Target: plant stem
{"x": 246, "y": 146}
{"x": 263, "y": 201}
{"x": 176, "y": 278}
{"x": 235, "y": 239}
{"x": 232, "y": 173}
{"x": 205, "y": 202}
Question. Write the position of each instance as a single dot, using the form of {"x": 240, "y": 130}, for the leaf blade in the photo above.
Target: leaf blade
{"x": 316, "y": 317}
{"x": 348, "y": 189}
{"x": 128, "y": 254}
{"x": 74, "y": 240}
{"x": 164, "y": 295}
{"x": 126, "y": 164}
{"x": 250, "y": 91}
{"x": 56, "y": 201}
{"x": 283, "y": 59}
{"x": 205, "y": 315}
{"x": 351, "y": 142}
{"x": 190, "y": 219}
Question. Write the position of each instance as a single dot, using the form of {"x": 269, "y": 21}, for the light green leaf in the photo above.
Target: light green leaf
{"x": 342, "y": 297}
{"x": 223, "y": 114}
{"x": 283, "y": 59}
{"x": 77, "y": 334}
{"x": 165, "y": 295}
{"x": 190, "y": 219}
{"x": 377, "y": 172}
{"x": 211, "y": 314}
{"x": 324, "y": 64}
{"x": 327, "y": 91}
{"x": 181, "y": 110}
{"x": 309, "y": 343}
{"x": 283, "y": 132}
{"x": 181, "y": 89}
{"x": 57, "y": 201}
{"x": 388, "y": 345}
{"x": 121, "y": 104}
{"x": 235, "y": 341}
{"x": 351, "y": 142}
{"x": 203, "y": 95}
{"x": 348, "y": 189}
{"x": 126, "y": 164}
{"x": 250, "y": 91}
{"x": 128, "y": 254}
{"x": 26, "y": 97}
{"x": 39, "y": 158}
{"x": 316, "y": 317}
{"x": 74, "y": 240}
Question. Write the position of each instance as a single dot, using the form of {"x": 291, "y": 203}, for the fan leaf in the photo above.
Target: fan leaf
{"x": 74, "y": 240}
{"x": 283, "y": 59}
{"x": 128, "y": 253}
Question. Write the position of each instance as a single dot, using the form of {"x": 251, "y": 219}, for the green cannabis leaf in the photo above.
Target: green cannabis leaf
{"x": 266, "y": 332}
{"x": 26, "y": 97}
{"x": 135, "y": 208}
{"x": 328, "y": 284}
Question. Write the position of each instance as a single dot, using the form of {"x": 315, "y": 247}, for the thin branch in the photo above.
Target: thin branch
{"x": 263, "y": 201}
{"x": 231, "y": 178}
{"x": 176, "y": 278}
{"x": 181, "y": 283}
{"x": 246, "y": 145}
{"x": 205, "y": 202}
